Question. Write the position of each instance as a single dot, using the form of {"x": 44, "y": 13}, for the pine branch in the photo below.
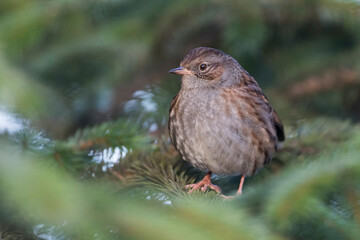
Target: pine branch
{"x": 90, "y": 211}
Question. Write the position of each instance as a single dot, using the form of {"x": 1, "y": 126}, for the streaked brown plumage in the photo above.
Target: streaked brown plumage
{"x": 221, "y": 121}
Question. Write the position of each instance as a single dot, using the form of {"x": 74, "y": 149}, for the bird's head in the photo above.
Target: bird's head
{"x": 206, "y": 66}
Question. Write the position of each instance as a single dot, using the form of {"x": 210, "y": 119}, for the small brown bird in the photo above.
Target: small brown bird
{"x": 220, "y": 121}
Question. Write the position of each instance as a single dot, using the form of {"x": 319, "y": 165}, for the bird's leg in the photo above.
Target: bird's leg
{"x": 204, "y": 184}
{"x": 238, "y": 192}
{"x": 240, "y": 185}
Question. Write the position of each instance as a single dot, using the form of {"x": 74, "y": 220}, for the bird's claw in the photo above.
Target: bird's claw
{"x": 228, "y": 197}
{"x": 203, "y": 186}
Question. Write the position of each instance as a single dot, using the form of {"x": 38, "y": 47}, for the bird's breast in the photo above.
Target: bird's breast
{"x": 220, "y": 133}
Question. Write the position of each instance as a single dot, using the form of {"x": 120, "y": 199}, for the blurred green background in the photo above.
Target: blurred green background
{"x": 84, "y": 99}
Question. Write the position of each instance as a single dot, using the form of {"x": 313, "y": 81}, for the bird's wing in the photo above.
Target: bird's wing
{"x": 252, "y": 87}
{"x": 171, "y": 117}
{"x": 278, "y": 126}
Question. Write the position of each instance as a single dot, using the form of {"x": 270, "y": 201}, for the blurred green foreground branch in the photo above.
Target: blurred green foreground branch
{"x": 91, "y": 210}
{"x": 314, "y": 196}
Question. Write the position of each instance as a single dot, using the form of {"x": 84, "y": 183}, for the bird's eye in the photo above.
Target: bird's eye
{"x": 203, "y": 67}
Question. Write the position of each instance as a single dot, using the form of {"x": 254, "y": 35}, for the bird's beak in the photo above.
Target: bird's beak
{"x": 181, "y": 71}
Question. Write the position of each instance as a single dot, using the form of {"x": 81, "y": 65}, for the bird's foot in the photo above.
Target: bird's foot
{"x": 230, "y": 197}
{"x": 203, "y": 185}
{"x": 239, "y": 191}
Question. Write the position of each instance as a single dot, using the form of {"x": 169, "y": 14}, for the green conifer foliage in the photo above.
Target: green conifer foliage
{"x": 84, "y": 98}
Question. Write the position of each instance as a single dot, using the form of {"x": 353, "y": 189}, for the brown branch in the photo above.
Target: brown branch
{"x": 330, "y": 80}
{"x": 119, "y": 176}
{"x": 83, "y": 145}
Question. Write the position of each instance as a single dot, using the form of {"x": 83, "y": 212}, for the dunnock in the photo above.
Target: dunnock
{"x": 220, "y": 121}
